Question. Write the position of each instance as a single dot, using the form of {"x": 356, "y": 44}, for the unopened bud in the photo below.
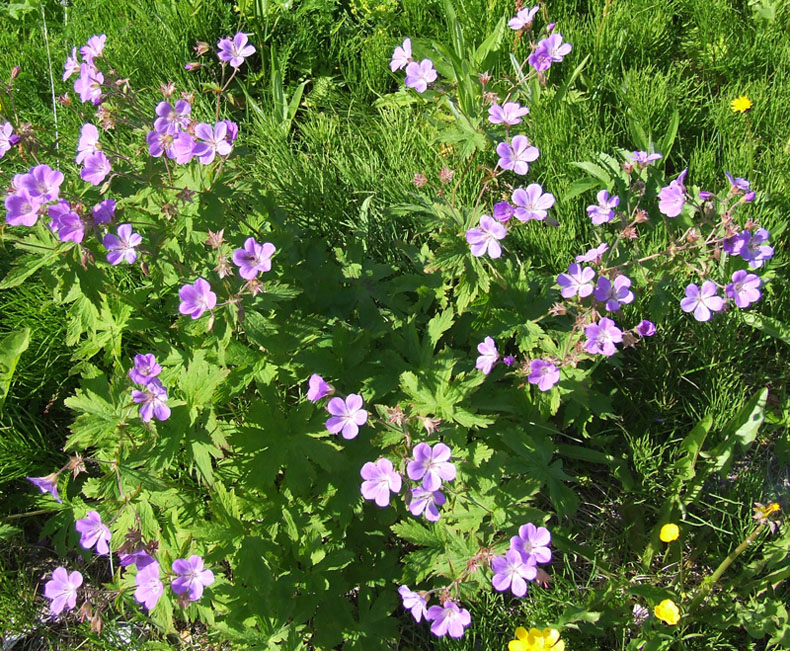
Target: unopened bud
{"x": 215, "y": 239}
{"x": 192, "y": 66}
{"x": 485, "y": 77}
{"x": 223, "y": 267}
{"x": 201, "y": 47}
{"x": 15, "y": 72}
{"x": 628, "y": 167}
{"x": 167, "y": 89}
{"x": 630, "y": 233}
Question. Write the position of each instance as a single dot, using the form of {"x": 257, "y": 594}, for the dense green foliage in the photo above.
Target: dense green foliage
{"x": 366, "y": 291}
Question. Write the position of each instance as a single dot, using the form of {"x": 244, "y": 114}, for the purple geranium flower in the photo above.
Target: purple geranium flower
{"x": 88, "y": 85}
{"x": 744, "y": 288}
{"x": 485, "y": 238}
{"x": 89, "y": 138}
{"x": 192, "y": 577}
{"x": 448, "y": 619}
{"x": 121, "y": 247}
{"x": 103, "y": 212}
{"x": 602, "y": 337}
{"x": 544, "y": 374}
{"x": 401, "y": 56}
{"x": 523, "y": 18}
{"x": 517, "y": 155}
{"x": 381, "y": 479}
{"x": 22, "y": 209}
{"x": 149, "y": 587}
{"x": 737, "y": 185}
{"x": 510, "y": 114}
{"x": 532, "y": 543}
{"x": 159, "y": 143}
{"x": 593, "y": 255}
{"x": 7, "y": 138}
{"x": 66, "y": 223}
{"x": 614, "y": 294}
{"x": 236, "y": 50}
{"x": 646, "y": 328}
{"x": 41, "y": 182}
{"x": 184, "y": 148}
{"x": 172, "y": 120}
{"x": 232, "y": 131}
{"x": 642, "y": 158}
{"x": 511, "y": 572}
{"x": 94, "y": 48}
{"x": 419, "y": 75}
{"x": 734, "y": 245}
{"x": 488, "y": 355}
{"x": 702, "y": 300}
{"x": 94, "y": 533}
{"x": 139, "y": 558}
{"x": 317, "y": 388}
{"x": 214, "y": 142}
{"x": 253, "y": 258}
{"x": 431, "y": 465}
{"x": 576, "y": 281}
{"x": 414, "y": 602}
{"x": 532, "y": 202}
{"x": 47, "y": 484}
{"x": 503, "y": 211}
{"x": 153, "y": 399}
{"x": 145, "y": 369}
{"x": 755, "y": 250}
{"x": 672, "y": 198}
{"x": 549, "y": 50}
{"x": 425, "y": 502}
{"x": 97, "y": 167}
{"x": 196, "y": 298}
{"x": 604, "y": 211}
{"x": 347, "y": 416}
{"x": 62, "y": 590}
{"x": 72, "y": 65}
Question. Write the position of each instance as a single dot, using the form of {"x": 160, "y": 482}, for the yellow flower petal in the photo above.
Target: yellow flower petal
{"x": 521, "y": 633}
{"x": 560, "y": 646}
{"x": 669, "y": 532}
{"x": 741, "y": 104}
{"x": 517, "y": 645}
{"x": 551, "y": 635}
{"x": 667, "y": 612}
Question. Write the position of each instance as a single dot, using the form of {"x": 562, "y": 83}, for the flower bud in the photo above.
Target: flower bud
{"x": 201, "y": 47}
{"x": 419, "y": 180}
{"x": 15, "y": 72}
{"x": 446, "y": 175}
{"x": 192, "y": 66}
{"x": 167, "y": 89}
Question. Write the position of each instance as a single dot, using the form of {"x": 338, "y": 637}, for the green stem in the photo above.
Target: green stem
{"x": 709, "y": 582}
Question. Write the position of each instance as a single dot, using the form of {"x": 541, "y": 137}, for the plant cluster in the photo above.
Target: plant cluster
{"x": 459, "y": 453}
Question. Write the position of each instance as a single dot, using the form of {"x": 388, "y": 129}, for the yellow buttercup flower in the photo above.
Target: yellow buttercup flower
{"x": 536, "y": 640}
{"x": 669, "y": 532}
{"x": 741, "y": 104}
{"x": 667, "y": 612}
